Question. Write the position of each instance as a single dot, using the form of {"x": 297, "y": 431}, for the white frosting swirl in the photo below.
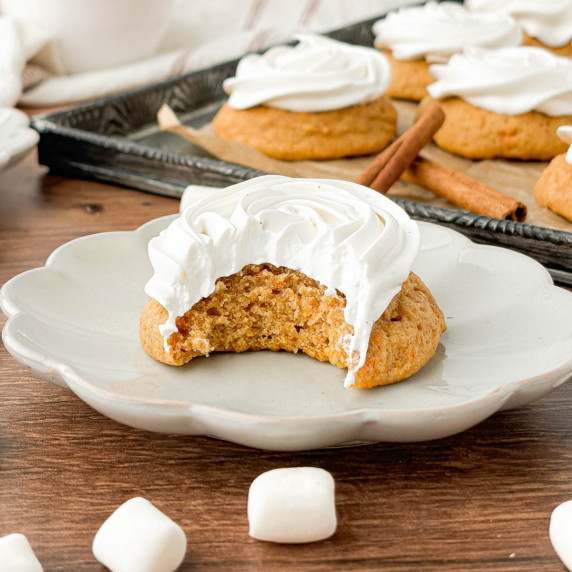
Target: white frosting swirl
{"x": 507, "y": 80}
{"x": 347, "y": 237}
{"x": 549, "y": 21}
{"x": 317, "y": 74}
{"x": 565, "y": 133}
{"x": 436, "y": 31}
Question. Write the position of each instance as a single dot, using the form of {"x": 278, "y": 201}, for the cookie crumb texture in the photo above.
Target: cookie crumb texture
{"x": 293, "y": 136}
{"x": 264, "y": 307}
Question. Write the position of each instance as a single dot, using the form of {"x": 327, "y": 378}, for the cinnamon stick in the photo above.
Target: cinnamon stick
{"x": 387, "y": 167}
{"x": 463, "y": 190}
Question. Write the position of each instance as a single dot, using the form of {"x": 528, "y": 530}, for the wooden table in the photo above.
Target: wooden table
{"x": 480, "y": 500}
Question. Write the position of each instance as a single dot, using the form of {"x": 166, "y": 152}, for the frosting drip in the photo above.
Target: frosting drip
{"x": 507, "y": 80}
{"x": 550, "y": 21}
{"x": 565, "y": 133}
{"x": 436, "y": 31}
{"x": 347, "y": 237}
{"x": 317, "y": 74}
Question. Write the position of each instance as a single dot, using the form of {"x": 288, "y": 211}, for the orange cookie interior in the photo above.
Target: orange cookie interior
{"x": 264, "y": 307}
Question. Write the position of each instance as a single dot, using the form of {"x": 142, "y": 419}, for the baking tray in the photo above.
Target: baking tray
{"x": 116, "y": 140}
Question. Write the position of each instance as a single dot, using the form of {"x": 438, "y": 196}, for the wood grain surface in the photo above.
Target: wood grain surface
{"x": 480, "y": 500}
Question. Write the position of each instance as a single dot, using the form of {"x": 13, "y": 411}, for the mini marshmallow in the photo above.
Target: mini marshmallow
{"x": 292, "y": 505}
{"x": 16, "y": 554}
{"x": 560, "y": 531}
{"x": 138, "y": 537}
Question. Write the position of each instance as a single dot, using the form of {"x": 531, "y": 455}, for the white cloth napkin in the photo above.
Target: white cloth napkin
{"x": 12, "y": 63}
{"x": 201, "y": 34}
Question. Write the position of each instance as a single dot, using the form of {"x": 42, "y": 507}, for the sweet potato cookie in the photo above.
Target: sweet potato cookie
{"x": 409, "y": 79}
{"x": 293, "y": 136}
{"x": 565, "y": 50}
{"x": 554, "y": 187}
{"x": 480, "y": 134}
{"x": 265, "y": 307}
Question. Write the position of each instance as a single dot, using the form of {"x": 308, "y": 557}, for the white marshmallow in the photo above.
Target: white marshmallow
{"x": 292, "y": 505}
{"x": 138, "y": 537}
{"x": 560, "y": 531}
{"x": 16, "y": 554}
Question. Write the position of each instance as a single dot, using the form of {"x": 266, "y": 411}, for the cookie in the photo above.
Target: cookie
{"x": 409, "y": 80}
{"x": 564, "y": 50}
{"x": 413, "y": 36}
{"x": 282, "y": 263}
{"x": 554, "y": 187}
{"x": 360, "y": 129}
{"x": 546, "y": 24}
{"x": 477, "y": 133}
{"x": 318, "y": 99}
{"x": 264, "y": 307}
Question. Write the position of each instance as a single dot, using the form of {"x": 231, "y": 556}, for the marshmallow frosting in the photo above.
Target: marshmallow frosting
{"x": 436, "y": 31}
{"x": 510, "y": 81}
{"x": 565, "y": 134}
{"x": 549, "y": 21}
{"x": 347, "y": 237}
{"x": 317, "y": 74}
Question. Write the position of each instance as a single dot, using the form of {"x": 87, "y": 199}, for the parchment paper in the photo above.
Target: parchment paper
{"x": 513, "y": 178}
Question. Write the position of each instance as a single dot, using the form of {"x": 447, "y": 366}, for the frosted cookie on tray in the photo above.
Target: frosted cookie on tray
{"x": 302, "y": 265}
{"x": 546, "y": 23}
{"x": 554, "y": 187}
{"x": 503, "y": 102}
{"x": 319, "y": 99}
{"x": 414, "y": 37}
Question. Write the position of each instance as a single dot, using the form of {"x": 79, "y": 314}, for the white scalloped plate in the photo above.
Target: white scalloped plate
{"x": 509, "y": 342}
{"x": 17, "y": 139}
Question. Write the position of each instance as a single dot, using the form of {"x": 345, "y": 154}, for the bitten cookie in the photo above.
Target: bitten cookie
{"x": 319, "y": 99}
{"x": 414, "y": 37}
{"x": 505, "y": 103}
{"x": 267, "y": 308}
{"x": 301, "y": 265}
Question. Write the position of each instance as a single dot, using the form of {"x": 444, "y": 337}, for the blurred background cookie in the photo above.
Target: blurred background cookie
{"x": 320, "y": 99}
{"x": 546, "y": 23}
{"x": 414, "y": 37}
{"x": 554, "y": 187}
{"x": 506, "y": 102}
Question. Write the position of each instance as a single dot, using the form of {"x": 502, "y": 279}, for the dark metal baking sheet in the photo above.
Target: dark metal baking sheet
{"x": 116, "y": 139}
